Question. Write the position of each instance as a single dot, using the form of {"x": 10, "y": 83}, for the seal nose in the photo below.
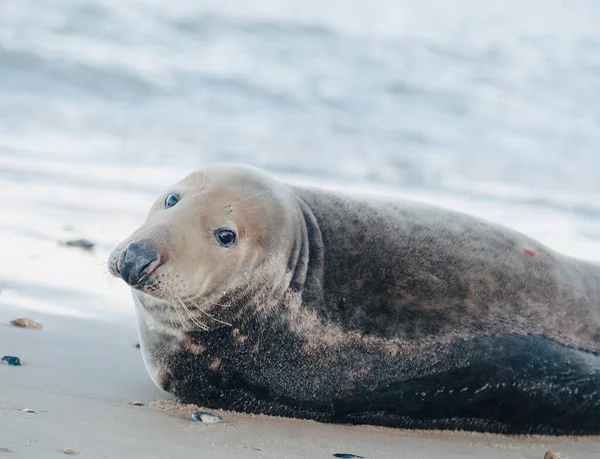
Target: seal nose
{"x": 136, "y": 261}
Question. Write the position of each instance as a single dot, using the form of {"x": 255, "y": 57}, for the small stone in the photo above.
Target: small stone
{"x": 137, "y": 346}
{"x": 137, "y": 404}
{"x": 4, "y": 450}
{"x": 26, "y": 323}
{"x": 81, "y": 243}
{"x": 552, "y": 455}
{"x": 347, "y": 456}
{"x": 12, "y": 361}
{"x": 28, "y": 410}
{"x": 207, "y": 418}
{"x": 69, "y": 452}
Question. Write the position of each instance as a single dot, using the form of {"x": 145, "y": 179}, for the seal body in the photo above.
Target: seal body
{"x": 353, "y": 309}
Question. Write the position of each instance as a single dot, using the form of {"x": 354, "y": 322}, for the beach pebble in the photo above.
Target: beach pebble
{"x": 12, "y": 361}
{"x": 28, "y": 410}
{"x": 4, "y": 450}
{"x": 81, "y": 243}
{"x": 207, "y": 418}
{"x": 69, "y": 452}
{"x": 136, "y": 404}
{"x": 552, "y": 455}
{"x": 347, "y": 456}
{"x": 26, "y": 323}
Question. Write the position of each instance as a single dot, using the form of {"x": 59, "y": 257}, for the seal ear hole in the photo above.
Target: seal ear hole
{"x": 171, "y": 200}
{"x": 225, "y": 237}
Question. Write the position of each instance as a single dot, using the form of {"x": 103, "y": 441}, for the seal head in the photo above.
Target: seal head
{"x": 219, "y": 232}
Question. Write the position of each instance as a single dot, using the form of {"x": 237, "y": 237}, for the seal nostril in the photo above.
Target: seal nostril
{"x": 136, "y": 262}
{"x": 119, "y": 263}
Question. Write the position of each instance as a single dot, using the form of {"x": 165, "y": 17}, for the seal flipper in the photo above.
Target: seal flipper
{"x": 513, "y": 385}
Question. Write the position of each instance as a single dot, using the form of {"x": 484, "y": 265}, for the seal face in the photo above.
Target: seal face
{"x": 258, "y": 296}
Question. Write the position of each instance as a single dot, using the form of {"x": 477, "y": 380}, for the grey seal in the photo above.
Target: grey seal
{"x": 265, "y": 297}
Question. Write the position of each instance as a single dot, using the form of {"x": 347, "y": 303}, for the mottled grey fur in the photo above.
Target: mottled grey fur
{"x": 403, "y": 270}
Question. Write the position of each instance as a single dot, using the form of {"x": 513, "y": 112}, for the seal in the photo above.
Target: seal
{"x": 258, "y": 296}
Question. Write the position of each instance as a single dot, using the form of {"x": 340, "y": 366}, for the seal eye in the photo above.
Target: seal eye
{"x": 225, "y": 237}
{"x": 171, "y": 200}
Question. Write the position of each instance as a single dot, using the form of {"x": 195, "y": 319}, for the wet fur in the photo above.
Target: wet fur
{"x": 401, "y": 315}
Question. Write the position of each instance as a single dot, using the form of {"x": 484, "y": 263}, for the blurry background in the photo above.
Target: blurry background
{"x": 490, "y": 107}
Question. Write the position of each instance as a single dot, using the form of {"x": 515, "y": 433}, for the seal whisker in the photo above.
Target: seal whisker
{"x": 213, "y": 317}
{"x": 180, "y": 316}
{"x": 192, "y": 318}
{"x": 250, "y": 197}
{"x": 209, "y": 315}
{"x": 194, "y": 300}
{"x": 172, "y": 317}
{"x": 203, "y": 179}
{"x": 188, "y": 313}
{"x": 108, "y": 276}
{"x": 105, "y": 266}
{"x": 203, "y": 185}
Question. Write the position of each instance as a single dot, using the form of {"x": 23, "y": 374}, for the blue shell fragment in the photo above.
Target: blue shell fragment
{"x": 81, "y": 243}
{"x": 12, "y": 361}
{"x": 206, "y": 417}
{"x": 347, "y": 456}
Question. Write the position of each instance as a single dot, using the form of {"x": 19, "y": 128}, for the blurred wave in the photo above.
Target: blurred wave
{"x": 496, "y": 99}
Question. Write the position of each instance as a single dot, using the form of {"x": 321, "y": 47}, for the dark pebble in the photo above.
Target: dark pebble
{"x": 137, "y": 346}
{"x": 136, "y": 404}
{"x": 206, "y": 417}
{"x": 12, "y": 361}
{"x": 81, "y": 243}
{"x": 347, "y": 456}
